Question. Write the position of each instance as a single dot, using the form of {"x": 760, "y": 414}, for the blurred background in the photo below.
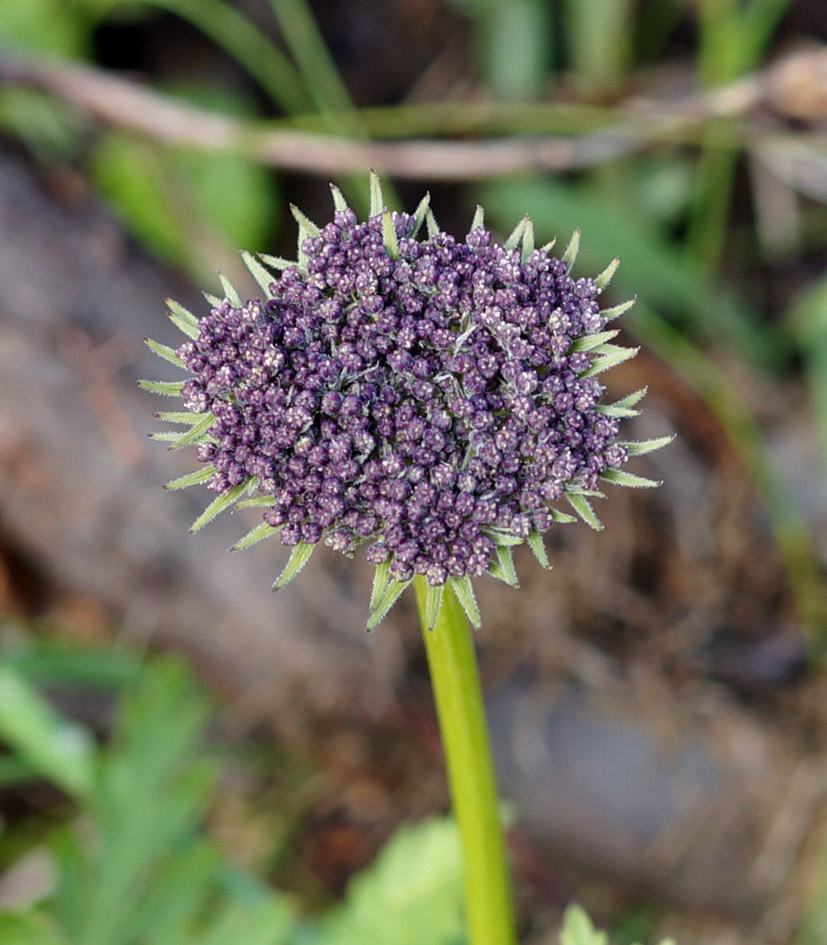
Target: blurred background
{"x": 187, "y": 758}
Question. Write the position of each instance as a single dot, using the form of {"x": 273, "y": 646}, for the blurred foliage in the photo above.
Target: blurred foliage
{"x": 131, "y": 862}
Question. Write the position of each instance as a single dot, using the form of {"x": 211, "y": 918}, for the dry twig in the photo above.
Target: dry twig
{"x": 796, "y": 87}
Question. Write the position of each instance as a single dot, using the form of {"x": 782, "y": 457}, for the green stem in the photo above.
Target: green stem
{"x": 458, "y": 696}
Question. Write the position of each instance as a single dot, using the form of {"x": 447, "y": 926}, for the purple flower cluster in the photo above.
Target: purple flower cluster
{"x": 421, "y": 401}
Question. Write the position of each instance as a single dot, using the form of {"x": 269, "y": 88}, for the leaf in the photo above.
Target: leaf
{"x": 196, "y": 432}
{"x": 503, "y": 568}
{"x": 258, "y": 272}
{"x": 538, "y": 548}
{"x": 381, "y": 576}
{"x": 464, "y": 590}
{"x": 516, "y": 234}
{"x": 478, "y": 220}
{"x": 588, "y": 342}
{"x": 420, "y": 213}
{"x": 579, "y": 930}
{"x": 57, "y": 749}
{"x": 504, "y": 538}
{"x": 377, "y": 202}
{"x": 562, "y": 518}
{"x": 617, "y": 310}
{"x": 433, "y": 604}
{"x": 620, "y": 477}
{"x": 299, "y": 557}
{"x": 390, "y": 595}
{"x": 305, "y": 223}
{"x": 183, "y": 319}
{"x": 581, "y": 505}
{"x": 192, "y": 479}
{"x": 339, "y": 202}
{"x": 230, "y": 293}
{"x": 257, "y": 502}
{"x": 221, "y": 502}
{"x": 29, "y": 928}
{"x": 179, "y": 416}
{"x": 165, "y": 352}
{"x": 605, "y": 277}
{"x": 164, "y": 388}
{"x": 604, "y": 363}
{"x": 277, "y": 262}
{"x": 569, "y": 256}
{"x": 389, "y": 236}
{"x": 528, "y": 240}
{"x": 260, "y": 532}
{"x": 639, "y": 447}
{"x": 411, "y": 895}
{"x": 134, "y": 176}
{"x": 431, "y": 225}
{"x": 634, "y": 398}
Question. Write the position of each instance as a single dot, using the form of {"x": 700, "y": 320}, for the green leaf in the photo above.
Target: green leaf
{"x": 165, "y": 352}
{"x": 639, "y": 447}
{"x": 377, "y": 203}
{"x": 579, "y": 930}
{"x": 617, "y": 310}
{"x": 464, "y": 590}
{"x": 607, "y": 361}
{"x": 381, "y": 577}
{"x": 299, "y": 557}
{"x": 183, "y": 319}
{"x": 195, "y": 433}
{"x": 180, "y": 416}
{"x": 258, "y": 272}
{"x": 478, "y": 220}
{"x": 389, "y": 596}
{"x": 230, "y": 293}
{"x": 504, "y": 538}
{"x": 164, "y": 388}
{"x": 29, "y": 928}
{"x": 605, "y": 277}
{"x": 261, "y": 531}
{"x": 389, "y": 236}
{"x": 620, "y": 477}
{"x": 339, "y": 202}
{"x": 134, "y": 175}
{"x": 538, "y": 548}
{"x": 266, "y": 922}
{"x": 221, "y": 502}
{"x": 192, "y": 479}
{"x": 431, "y": 226}
{"x": 57, "y": 749}
{"x": 411, "y": 895}
{"x": 528, "y": 240}
{"x": 588, "y": 342}
{"x": 420, "y": 213}
{"x": 569, "y": 256}
{"x": 562, "y": 518}
{"x": 277, "y": 262}
{"x": 581, "y": 505}
{"x": 433, "y": 603}
{"x": 257, "y": 502}
{"x": 503, "y": 568}
{"x": 516, "y": 234}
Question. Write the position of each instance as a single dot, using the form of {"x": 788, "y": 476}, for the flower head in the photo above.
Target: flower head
{"x": 427, "y": 398}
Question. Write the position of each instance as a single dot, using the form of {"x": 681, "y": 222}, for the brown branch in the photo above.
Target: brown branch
{"x": 796, "y": 84}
